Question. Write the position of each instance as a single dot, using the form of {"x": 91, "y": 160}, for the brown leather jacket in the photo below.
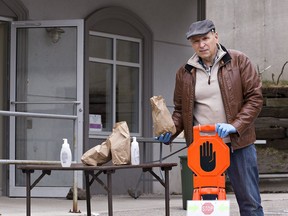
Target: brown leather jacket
{"x": 240, "y": 86}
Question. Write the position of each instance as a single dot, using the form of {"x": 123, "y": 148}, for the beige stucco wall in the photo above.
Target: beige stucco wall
{"x": 256, "y": 27}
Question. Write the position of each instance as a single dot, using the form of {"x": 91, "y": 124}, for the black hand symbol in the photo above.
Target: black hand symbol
{"x": 207, "y": 157}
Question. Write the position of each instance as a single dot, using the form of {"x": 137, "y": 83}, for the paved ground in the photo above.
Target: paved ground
{"x": 145, "y": 205}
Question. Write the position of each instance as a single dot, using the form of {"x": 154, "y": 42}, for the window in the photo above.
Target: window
{"x": 115, "y": 68}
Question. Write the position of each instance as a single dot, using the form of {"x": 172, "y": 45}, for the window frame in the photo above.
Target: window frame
{"x": 114, "y": 62}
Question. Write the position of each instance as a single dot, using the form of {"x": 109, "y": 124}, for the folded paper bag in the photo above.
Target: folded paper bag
{"x": 162, "y": 119}
{"x": 98, "y": 155}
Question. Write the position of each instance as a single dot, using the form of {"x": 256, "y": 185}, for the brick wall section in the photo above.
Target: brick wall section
{"x": 272, "y": 123}
{"x": 272, "y": 126}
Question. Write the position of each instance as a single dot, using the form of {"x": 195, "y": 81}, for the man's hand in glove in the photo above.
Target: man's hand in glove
{"x": 224, "y": 129}
{"x": 164, "y": 138}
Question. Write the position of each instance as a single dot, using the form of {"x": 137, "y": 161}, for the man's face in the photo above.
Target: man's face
{"x": 205, "y": 46}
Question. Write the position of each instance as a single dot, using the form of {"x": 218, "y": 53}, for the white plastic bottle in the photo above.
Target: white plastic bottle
{"x": 135, "y": 157}
{"x": 65, "y": 154}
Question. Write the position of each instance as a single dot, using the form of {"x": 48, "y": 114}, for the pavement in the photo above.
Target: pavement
{"x": 124, "y": 205}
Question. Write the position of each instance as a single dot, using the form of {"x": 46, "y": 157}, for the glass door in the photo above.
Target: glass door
{"x": 46, "y": 99}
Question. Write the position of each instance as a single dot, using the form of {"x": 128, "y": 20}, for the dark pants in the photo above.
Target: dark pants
{"x": 244, "y": 177}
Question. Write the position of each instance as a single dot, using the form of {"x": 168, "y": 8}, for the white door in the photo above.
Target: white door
{"x": 46, "y": 94}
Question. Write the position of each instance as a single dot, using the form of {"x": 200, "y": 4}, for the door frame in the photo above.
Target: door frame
{"x": 4, "y": 104}
{"x": 78, "y": 121}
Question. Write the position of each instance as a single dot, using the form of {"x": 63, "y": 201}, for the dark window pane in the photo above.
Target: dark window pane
{"x": 127, "y": 51}
{"x": 127, "y": 97}
{"x": 100, "y": 47}
{"x": 101, "y": 93}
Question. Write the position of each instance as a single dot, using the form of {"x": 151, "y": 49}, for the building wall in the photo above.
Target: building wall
{"x": 168, "y": 20}
{"x": 255, "y": 27}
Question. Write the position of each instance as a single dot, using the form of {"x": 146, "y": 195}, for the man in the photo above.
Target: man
{"x": 220, "y": 86}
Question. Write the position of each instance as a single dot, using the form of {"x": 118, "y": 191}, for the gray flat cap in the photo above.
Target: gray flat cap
{"x": 200, "y": 28}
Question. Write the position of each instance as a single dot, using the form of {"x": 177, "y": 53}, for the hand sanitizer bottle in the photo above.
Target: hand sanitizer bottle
{"x": 135, "y": 157}
{"x": 65, "y": 154}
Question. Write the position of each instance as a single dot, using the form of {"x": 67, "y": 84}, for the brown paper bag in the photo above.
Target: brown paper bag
{"x": 120, "y": 143}
{"x": 162, "y": 119}
{"x": 98, "y": 155}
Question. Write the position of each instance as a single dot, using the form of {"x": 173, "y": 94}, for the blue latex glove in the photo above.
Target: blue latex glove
{"x": 224, "y": 129}
{"x": 164, "y": 138}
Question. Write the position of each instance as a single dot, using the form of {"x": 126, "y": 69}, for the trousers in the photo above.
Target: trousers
{"x": 244, "y": 178}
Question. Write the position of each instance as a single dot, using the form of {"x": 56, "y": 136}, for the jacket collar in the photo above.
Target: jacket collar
{"x": 225, "y": 59}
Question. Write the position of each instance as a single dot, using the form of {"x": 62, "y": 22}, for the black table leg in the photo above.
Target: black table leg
{"x": 88, "y": 199}
{"x": 30, "y": 186}
{"x": 167, "y": 195}
{"x": 108, "y": 188}
{"x": 28, "y": 193}
{"x": 109, "y": 191}
{"x": 164, "y": 183}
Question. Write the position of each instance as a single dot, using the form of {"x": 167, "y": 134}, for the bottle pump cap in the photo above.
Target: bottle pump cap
{"x": 65, "y": 141}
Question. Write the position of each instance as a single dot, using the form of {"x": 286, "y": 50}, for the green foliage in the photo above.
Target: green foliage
{"x": 269, "y": 83}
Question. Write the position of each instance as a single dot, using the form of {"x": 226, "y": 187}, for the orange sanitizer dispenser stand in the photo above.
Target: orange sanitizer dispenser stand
{"x": 208, "y": 158}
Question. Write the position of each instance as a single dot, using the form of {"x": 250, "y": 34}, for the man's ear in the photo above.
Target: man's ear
{"x": 216, "y": 35}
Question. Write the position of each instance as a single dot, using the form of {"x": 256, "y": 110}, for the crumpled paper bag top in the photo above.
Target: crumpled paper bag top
{"x": 120, "y": 143}
{"x": 162, "y": 118}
